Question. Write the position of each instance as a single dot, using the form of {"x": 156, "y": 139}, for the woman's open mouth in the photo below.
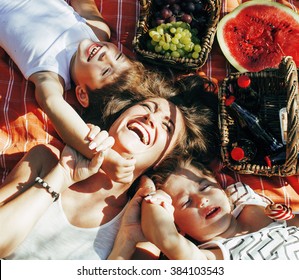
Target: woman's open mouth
{"x": 92, "y": 51}
{"x": 140, "y": 131}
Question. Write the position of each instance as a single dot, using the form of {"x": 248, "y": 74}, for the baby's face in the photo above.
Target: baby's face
{"x": 202, "y": 209}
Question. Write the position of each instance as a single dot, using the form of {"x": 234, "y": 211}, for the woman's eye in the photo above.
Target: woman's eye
{"x": 147, "y": 106}
{"x": 167, "y": 126}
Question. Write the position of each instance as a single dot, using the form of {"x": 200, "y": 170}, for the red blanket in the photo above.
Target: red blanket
{"x": 23, "y": 124}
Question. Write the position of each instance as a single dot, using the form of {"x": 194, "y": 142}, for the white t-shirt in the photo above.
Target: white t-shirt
{"x": 54, "y": 238}
{"x": 42, "y": 35}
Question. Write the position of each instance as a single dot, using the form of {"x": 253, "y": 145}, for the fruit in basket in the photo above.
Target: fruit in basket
{"x": 174, "y": 39}
{"x": 257, "y": 34}
{"x": 193, "y": 12}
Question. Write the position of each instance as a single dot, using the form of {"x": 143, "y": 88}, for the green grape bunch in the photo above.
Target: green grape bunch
{"x": 174, "y": 39}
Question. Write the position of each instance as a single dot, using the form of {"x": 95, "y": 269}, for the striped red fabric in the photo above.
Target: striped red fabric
{"x": 23, "y": 124}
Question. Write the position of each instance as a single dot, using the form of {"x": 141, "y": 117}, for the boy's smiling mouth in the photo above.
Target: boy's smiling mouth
{"x": 92, "y": 51}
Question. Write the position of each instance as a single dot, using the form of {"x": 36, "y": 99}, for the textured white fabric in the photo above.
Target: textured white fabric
{"x": 276, "y": 241}
{"x": 41, "y": 35}
{"x": 53, "y": 237}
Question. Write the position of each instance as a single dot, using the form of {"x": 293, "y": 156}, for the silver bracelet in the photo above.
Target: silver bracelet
{"x": 45, "y": 185}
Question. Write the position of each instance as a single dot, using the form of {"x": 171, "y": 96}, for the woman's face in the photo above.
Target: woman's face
{"x": 202, "y": 209}
{"x": 147, "y": 131}
{"x": 97, "y": 64}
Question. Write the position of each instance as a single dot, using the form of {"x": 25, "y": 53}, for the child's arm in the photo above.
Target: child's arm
{"x": 159, "y": 228}
{"x": 72, "y": 129}
{"x": 66, "y": 121}
{"x": 88, "y": 10}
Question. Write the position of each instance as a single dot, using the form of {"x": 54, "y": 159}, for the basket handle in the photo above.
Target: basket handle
{"x": 289, "y": 69}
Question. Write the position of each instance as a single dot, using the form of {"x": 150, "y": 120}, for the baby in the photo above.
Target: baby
{"x": 192, "y": 217}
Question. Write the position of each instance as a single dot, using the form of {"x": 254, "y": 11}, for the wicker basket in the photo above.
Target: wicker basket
{"x": 141, "y": 36}
{"x": 278, "y": 88}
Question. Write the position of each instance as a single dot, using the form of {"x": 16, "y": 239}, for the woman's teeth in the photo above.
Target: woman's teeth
{"x": 140, "y": 131}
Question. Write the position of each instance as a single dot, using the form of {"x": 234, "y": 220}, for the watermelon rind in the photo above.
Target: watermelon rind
{"x": 220, "y": 36}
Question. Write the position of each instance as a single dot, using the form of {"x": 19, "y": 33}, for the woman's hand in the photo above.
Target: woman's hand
{"x": 118, "y": 168}
{"x": 76, "y": 166}
{"x": 130, "y": 232}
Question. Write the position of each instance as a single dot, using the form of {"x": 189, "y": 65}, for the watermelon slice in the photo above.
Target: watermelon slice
{"x": 257, "y": 34}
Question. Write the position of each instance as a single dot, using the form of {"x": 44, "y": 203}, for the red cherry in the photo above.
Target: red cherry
{"x": 243, "y": 81}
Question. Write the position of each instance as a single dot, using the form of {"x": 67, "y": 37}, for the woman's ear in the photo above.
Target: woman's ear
{"x": 82, "y": 96}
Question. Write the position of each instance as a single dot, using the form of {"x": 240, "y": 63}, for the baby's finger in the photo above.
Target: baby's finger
{"x": 168, "y": 207}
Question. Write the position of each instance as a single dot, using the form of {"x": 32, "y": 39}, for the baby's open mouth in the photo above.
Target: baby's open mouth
{"x": 140, "y": 132}
{"x": 93, "y": 50}
{"x": 212, "y": 212}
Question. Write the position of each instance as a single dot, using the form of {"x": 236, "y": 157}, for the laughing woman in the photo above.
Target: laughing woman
{"x": 65, "y": 206}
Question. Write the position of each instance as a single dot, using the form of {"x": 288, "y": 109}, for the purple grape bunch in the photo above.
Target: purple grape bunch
{"x": 193, "y": 12}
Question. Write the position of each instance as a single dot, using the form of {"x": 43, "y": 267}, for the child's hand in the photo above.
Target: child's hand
{"x": 115, "y": 166}
{"x": 158, "y": 197}
{"x": 118, "y": 168}
{"x": 161, "y": 198}
{"x": 99, "y": 139}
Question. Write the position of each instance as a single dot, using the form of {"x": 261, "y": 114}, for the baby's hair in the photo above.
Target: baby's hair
{"x": 171, "y": 164}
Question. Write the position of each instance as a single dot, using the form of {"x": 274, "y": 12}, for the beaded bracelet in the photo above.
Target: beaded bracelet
{"x": 45, "y": 185}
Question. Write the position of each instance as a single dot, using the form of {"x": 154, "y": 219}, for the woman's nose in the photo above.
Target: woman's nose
{"x": 150, "y": 119}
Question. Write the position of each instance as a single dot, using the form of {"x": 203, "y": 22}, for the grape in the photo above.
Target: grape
{"x": 198, "y": 7}
{"x": 171, "y": 19}
{"x": 175, "y": 8}
{"x": 197, "y": 48}
{"x": 175, "y": 54}
{"x": 158, "y": 48}
{"x": 186, "y": 18}
{"x": 175, "y": 39}
{"x": 166, "y": 13}
{"x": 190, "y": 7}
{"x": 195, "y": 55}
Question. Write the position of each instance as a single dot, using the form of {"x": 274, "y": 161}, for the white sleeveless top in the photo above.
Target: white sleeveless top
{"x": 54, "y": 238}
{"x": 276, "y": 241}
{"x": 42, "y": 35}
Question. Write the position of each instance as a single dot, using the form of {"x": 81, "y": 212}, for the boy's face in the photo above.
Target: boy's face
{"x": 202, "y": 209}
{"x": 96, "y": 64}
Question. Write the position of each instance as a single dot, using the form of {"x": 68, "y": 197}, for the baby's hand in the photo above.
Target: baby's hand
{"x": 162, "y": 199}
